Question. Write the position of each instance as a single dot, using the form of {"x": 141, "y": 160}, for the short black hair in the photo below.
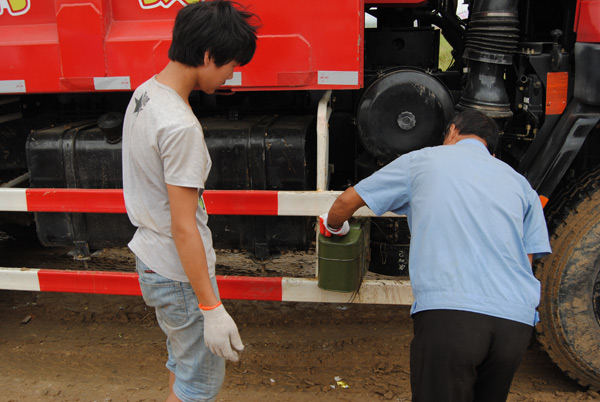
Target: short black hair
{"x": 222, "y": 28}
{"x": 474, "y": 122}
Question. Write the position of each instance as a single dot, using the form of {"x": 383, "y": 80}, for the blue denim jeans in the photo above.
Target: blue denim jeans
{"x": 199, "y": 374}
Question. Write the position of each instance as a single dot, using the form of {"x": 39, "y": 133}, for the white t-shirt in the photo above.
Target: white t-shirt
{"x": 163, "y": 143}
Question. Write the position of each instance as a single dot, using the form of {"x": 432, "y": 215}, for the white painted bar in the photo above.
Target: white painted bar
{"x": 305, "y": 203}
{"x": 13, "y": 199}
{"x": 324, "y": 111}
{"x": 314, "y": 203}
{"x": 19, "y": 279}
{"x": 371, "y": 292}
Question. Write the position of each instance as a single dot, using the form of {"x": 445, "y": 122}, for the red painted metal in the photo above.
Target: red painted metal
{"x": 126, "y": 283}
{"x": 218, "y": 202}
{"x": 62, "y": 45}
{"x": 75, "y": 200}
{"x": 250, "y": 288}
{"x": 587, "y": 21}
{"x": 241, "y": 202}
{"x": 110, "y": 283}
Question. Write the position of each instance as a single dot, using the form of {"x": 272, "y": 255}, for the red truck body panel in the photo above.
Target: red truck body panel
{"x": 587, "y": 21}
{"x": 71, "y": 46}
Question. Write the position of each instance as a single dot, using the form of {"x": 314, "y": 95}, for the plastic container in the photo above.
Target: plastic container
{"x": 342, "y": 260}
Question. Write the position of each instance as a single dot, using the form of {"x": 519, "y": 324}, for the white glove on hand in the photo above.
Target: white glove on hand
{"x": 328, "y": 231}
{"x": 221, "y": 333}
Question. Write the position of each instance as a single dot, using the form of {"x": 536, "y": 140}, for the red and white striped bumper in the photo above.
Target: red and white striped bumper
{"x": 230, "y": 287}
{"x": 218, "y": 202}
{"x": 229, "y": 202}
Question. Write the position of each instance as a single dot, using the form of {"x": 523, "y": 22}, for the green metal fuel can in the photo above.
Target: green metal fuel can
{"x": 342, "y": 260}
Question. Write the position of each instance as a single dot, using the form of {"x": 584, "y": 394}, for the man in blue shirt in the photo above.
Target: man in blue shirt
{"x": 476, "y": 225}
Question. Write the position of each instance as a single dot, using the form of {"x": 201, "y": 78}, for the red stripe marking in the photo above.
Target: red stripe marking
{"x": 218, "y": 202}
{"x": 108, "y": 283}
{"x": 75, "y": 200}
{"x": 249, "y": 288}
{"x": 126, "y": 283}
{"x": 241, "y": 202}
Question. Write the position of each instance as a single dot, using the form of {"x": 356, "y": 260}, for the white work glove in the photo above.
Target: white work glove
{"x": 221, "y": 333}
{"x": 328, "y": 231}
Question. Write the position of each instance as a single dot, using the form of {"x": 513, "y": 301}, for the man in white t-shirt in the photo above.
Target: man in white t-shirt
{"x": 165, "y": 166}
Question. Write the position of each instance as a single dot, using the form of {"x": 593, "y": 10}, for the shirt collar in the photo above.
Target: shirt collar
{"x": 473, "y": 141}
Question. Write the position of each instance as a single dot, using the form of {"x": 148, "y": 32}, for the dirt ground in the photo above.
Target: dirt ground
{"x": 74, "y": 347}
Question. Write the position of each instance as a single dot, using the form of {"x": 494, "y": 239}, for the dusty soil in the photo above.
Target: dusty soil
{"x": 74, "y": 347}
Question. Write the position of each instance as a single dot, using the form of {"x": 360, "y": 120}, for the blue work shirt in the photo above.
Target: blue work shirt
{"x": 473, "y": 220}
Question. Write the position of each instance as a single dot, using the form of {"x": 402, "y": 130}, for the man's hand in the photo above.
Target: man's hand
{"x": 327, "y": 231}
{"x": 221, "y": 333}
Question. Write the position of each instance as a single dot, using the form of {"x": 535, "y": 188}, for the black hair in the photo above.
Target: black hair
{"x": 474, "y": 122}
{"x": 221, "y": 28}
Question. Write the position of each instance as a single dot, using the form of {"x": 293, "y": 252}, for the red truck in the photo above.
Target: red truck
{"x": 336, "y": 90}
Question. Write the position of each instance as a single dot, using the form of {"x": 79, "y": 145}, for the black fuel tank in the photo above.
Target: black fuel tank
{"x": 258, "y": 153}
{"x": 77, "y": 156}
{"x": 262, "y": 153}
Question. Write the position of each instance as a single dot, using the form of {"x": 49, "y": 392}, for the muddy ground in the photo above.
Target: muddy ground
{"x": 74, "y": 347}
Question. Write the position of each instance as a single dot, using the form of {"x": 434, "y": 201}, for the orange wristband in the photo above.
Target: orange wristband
{"x": 209, "y": 308}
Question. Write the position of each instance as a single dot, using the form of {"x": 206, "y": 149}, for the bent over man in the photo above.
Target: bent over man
{"x": 165, "y": 166}
{"x": 475, "y": 225}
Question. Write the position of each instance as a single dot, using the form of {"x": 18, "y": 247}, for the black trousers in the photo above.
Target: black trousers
{"x": 458, "y": 356}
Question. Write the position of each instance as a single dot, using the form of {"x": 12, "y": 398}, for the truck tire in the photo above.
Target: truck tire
{"x": 570, "y": 302}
